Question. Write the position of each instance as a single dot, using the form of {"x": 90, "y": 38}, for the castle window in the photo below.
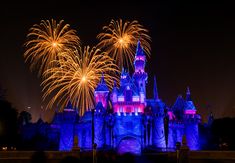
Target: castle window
{"x": 120, "y": 98}
{"x": 136, "y": 99}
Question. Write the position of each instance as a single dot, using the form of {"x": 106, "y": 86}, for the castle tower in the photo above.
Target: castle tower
{"x": 114, "y": 94}
{"x": 125, "y": 78}
{"x": 189, "y": 109}
{"x": 140, "y": 76}
{"x": 191, "y": 122}
{"x": 101, "y": 92}
{"x": 66, "y": 122}
{"x": 155, "y": 91}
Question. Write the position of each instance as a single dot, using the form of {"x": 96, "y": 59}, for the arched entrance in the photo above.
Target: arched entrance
{"x": 129, "y": 145}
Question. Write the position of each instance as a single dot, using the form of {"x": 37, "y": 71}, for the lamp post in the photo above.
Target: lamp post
{"x": 93, "y": 136}
{"x": 92, "y": 127}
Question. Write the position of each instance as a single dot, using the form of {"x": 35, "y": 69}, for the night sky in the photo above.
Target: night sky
{"x": 193, "y": 44}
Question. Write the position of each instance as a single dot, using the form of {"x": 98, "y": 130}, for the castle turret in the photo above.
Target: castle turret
{"x": 125, "y": 77}
{"x": 114, "y": 94}
{"x": 191, "y": 122}
{"x": 66, "y": 122}
{"x": 140, "y": 59}
{"x": 178, "y": 108}
{"x": 140, "y": 76}
{"x": 155, "y": 91}
{"x": 101, "y": 92}
{"x": 189, "y": 109}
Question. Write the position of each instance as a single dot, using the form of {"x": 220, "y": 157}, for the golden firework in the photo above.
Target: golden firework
{"x": 46, "y": 40}
{"x": 77, "y": 76}
{"x": 119, "y": 40}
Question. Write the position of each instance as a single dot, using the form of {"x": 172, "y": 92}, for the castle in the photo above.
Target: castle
{"x": 126, "y": 121}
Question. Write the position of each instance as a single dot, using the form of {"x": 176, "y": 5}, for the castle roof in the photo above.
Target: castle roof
{"x": 188, "y": 95}
{"x": 99, "y": 107}
{"x": 139, "y": 49}
{"x": 189, "y": 105}
{"x": 102, "y": 86}
{"x": 179, "y": 103}
{"x": 115, "y": 88}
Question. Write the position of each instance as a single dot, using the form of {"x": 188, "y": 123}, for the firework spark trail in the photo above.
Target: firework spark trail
{"x": 119, "y": 40}
{"x": 45, "y": 41}
{"x": 77, "y": 77}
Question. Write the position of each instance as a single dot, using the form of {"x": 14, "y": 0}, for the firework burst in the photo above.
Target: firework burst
{"x": 119, "y": 40}
{"x": 46, "y": 40}
{"x": 77, "y": 77}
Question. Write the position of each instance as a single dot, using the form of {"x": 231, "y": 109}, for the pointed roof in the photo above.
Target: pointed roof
{"x": 69, "y": 105}
{"x": 40, "y": 121}
{"x": 115, "y": 89}
{"x": 179, "y": 103}
{"x": 189, "y": 103}
{"x": 125, "y": 78}
{"x": 188, "y": 95}
{"x": 155, "y": 91}
{"x": 102, "y": 85}
{"x": 139, "y": 49}
{"x": 124, "y": 73}
{"x": 128, "y": 82}
{"x": 99, "y": 107}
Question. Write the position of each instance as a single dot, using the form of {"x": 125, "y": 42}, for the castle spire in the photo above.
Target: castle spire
{"x": 188, "y": 95}
{"x": 155, "y": 91}
{"x": 140, "y": 76}
{"x": 102, "y": 79}
{"x": 139, "y": 49}
{"x": 101, "y": 92}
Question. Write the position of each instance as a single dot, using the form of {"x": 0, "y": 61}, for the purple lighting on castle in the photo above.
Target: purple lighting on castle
{"x": 136, "y": 122}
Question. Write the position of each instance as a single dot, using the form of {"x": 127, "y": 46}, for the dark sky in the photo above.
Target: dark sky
{"x": 193, "y": 44}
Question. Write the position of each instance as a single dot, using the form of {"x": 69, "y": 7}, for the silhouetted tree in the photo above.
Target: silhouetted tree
{"x": 39, "y": 157}
{"x": 24, "y": 118}
{"x": 223, "y": 133}
{"x": 8, "y": 122}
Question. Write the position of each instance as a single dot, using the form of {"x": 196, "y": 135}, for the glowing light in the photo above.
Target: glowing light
{"x": 84, "y": 79}
{"x": 54, "y": 44}
{"x": 142, "y": 98}
{"x": 121, "y": 98}
{"x": 135, "y": 98}
{"x": 77, "y": 77}
{"x": 45, "y": 41}
{"x": 190, "y": 111}
{"x": 119, "y": 40}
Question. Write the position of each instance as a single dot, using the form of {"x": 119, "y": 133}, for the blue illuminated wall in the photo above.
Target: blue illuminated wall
{"x": 66, "y": 123}
{"x": 192, "y": 135}
{"x": 128, "y": 130}
{"x": 158, "y": 132}
{"x": 131, "y": 123}
{"x": 66, "y": 137}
